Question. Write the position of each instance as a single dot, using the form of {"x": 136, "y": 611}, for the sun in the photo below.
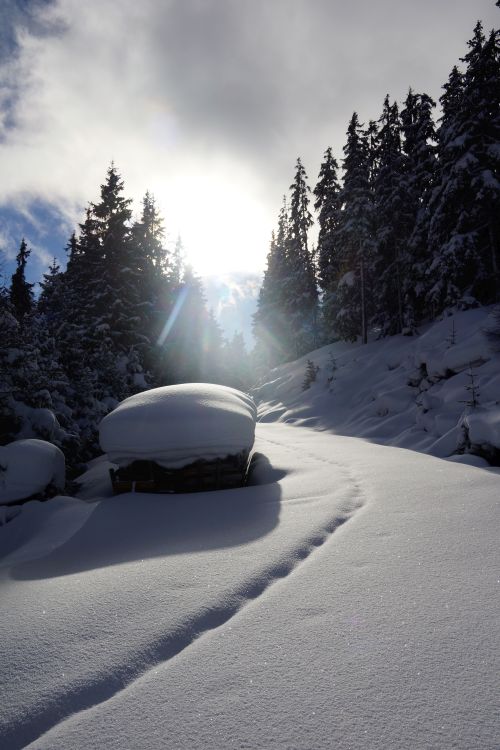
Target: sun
{"x": 223, "y": 225}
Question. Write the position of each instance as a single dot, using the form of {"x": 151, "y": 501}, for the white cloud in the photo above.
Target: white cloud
{"x": 209, "y": 103}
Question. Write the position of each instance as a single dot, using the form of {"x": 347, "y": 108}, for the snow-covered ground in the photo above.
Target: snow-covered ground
{"x": 347, "y": 599}
{"x": 350, "y": 600}
{"x": 410, "y": 392}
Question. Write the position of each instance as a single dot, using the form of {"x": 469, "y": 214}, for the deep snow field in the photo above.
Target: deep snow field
{"x": 347, "y": 599}
{"x": 405, "y": 391}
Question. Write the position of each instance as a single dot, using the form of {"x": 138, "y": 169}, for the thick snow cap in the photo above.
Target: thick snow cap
{"x": 28, "y": 467}
{"x": 178, "y": 424}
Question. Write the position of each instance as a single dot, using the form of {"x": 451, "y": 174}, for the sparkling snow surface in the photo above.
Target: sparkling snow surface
{"x": 28, "y": 467}
{"x": 348, "y": 601}
{"x": 176, "y": 425}
{"x": 406, "y": 391}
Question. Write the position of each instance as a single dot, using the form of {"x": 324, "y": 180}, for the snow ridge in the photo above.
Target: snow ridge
{"x": 82, "y": 697}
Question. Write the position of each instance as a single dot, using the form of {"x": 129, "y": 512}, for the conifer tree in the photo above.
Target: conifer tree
{"x": 190, "y": 345}
{"x": 155, "y": 288}
{"x": 271, "y": 326}
{"x": 301, "y": 289}
{"x": 21, "y": 291}
{"x": 176, "y": 266}
{"x": 237, "y": 363}
{"x": 420, "y": 166}
{"x": 352, "y": 302}
{"x": 9, "y": 342}
{"x": 50, "y": 301}
{"x": 328, "y": 206}
{"x": 394, "y": 224}
{"x": 465, "y": 206}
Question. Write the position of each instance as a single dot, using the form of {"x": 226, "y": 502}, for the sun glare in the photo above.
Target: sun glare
{"x": 222, "y": 224}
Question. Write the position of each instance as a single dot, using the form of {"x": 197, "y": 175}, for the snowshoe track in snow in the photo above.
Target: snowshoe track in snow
{"x": 81, "y": 698}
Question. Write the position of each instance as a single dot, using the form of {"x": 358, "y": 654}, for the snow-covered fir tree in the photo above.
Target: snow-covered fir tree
{"x": 465, "y": 206}
{"x": 156, "y": 284}
{"x": 393, "y": 224}
{"x": 328, "y": 206}
{"x": 9, "y": 346}
{"x": 236, "y": 363}
{"x": 301, "y": 288}
{"x": 272, "y": 330}
{"x": 21, "y": 291}
{"x": 189, "y": 347}
{"x": 419, "y": 137}
{"x": 353, "y": 300}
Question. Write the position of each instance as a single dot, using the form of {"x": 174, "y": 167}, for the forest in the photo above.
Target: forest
{"x": 409, "y": 230}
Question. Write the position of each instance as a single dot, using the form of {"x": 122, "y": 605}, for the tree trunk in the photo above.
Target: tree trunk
{"x": 494, "y": 263}
{"x": 400, "y": 301}
{"x": 364, "y": 328}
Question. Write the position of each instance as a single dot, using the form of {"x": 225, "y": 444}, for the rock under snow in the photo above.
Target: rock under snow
{"x": 29, "y": 467}
{"x": 178, "y": 424}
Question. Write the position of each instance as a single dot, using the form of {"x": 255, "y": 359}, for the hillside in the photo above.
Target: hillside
{"x": 410, "y": 392}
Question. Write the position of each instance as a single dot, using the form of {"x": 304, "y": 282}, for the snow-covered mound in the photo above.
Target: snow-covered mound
{"x": 413, "y": 392}
{"x": 29, "y": 467}
{"x": 178, "y": 424}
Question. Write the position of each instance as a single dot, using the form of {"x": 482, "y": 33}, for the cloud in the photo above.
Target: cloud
{"x": 207, "y": 102}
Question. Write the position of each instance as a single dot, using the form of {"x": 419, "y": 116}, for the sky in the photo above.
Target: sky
{"x": 206, "y": 103}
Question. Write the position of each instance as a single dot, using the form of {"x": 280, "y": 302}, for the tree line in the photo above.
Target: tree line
{"x": 125, "y": 314}
{"x": 411, "y": 230}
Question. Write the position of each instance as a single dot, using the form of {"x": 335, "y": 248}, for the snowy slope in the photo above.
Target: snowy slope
{"x": 403, "y": 391}
{"x": 350, "y": 600}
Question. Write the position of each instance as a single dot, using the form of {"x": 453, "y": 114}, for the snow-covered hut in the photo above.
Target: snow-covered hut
{"x": 180, "y": 438}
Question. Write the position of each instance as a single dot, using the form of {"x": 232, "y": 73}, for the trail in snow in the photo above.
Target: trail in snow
{"x": 387, "y": 637}
{"x": 82, "y": 697}
{"x": 86, "y": 691}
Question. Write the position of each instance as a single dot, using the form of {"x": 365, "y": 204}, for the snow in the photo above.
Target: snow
{"x": 325, "y": 607}
{"x": 29, "y": 467}
{"x": 484, "y": 426}
{"x": 347, "y": 598}
{"x": 176, "y": 425}
{"x": 406, "y": 391}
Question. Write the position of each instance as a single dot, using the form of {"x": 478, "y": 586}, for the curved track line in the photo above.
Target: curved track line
{"x": 105, "y": 687}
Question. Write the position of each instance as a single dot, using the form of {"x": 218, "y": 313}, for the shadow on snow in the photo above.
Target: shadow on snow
{"x": 137, "y": 526}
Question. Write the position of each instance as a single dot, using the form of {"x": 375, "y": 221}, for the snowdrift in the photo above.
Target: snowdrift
{"x": 29, "y": 467}
{"x": 175, "y": 426}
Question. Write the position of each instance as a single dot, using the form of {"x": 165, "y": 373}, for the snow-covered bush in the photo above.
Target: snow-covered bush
{"x": 30, "y": 468}
{"x": 310, "y": 375}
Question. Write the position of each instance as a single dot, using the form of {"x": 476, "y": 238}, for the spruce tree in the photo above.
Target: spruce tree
{"x": 155, "y": 285}
{"x": 464, "y": 229}
{"x": 301, "y": 289}
{"x": 21, "y": 291}
{"x": 394, "y": 224}
{"x": 190, "y": 344}
{"x": 328, "y": 206}
{"x": 353, "y": 303}
{"x": 272, "y": 331}
{"x": 10, "y": 421}
{"x": 176, "y": 265}
{"x": 237, "y": 368}
{"x": 419, "y": 137}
